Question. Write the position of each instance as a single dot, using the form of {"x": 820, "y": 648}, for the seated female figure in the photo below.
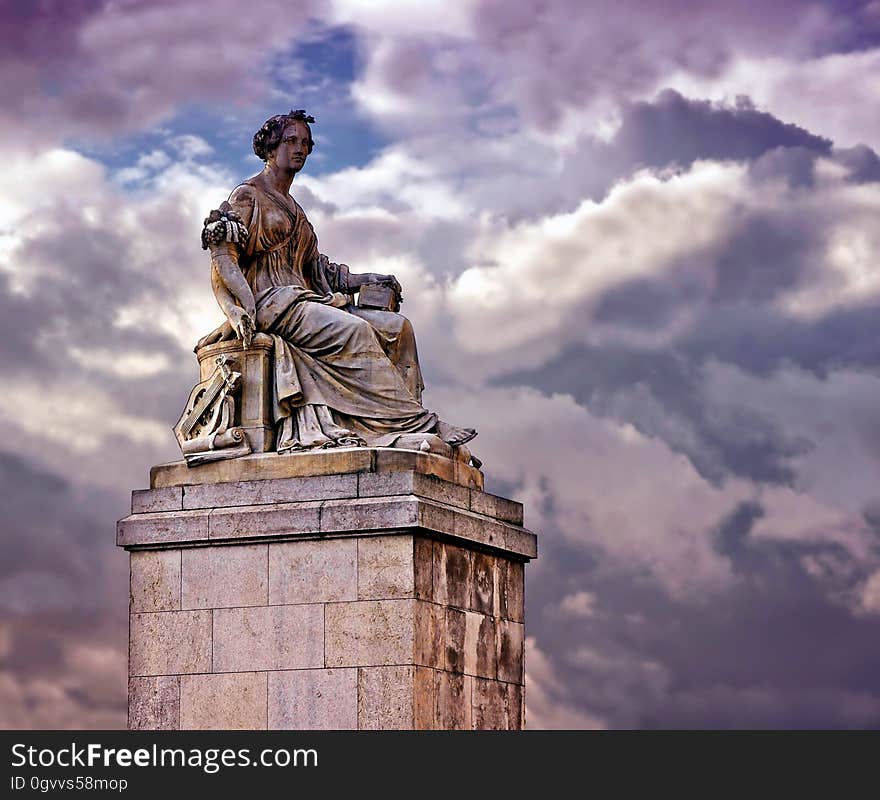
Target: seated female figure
{"x": 342, "y": 374}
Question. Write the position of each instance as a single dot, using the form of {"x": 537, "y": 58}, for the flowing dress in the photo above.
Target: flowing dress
{"x": 333, "y": 368}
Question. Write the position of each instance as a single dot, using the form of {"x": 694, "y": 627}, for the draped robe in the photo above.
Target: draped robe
{"x": 332, "y": 369}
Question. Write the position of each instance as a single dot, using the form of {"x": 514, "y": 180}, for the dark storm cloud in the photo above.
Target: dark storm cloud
{"x": 62, "y": 669}
{"x": 766, "y": 252}
{"x": 95, "y": 69}
{"x": 62, "y": 601}
{"x": 18, "y": 319}
{"x": 761, "y": 341}
{"x": 55, "y": 529}
{"x": 79, "y": 276}
{"x": 775, "y": 647}
{"x": 65, "y": 319}
{"x": 673, "y": 129}
{"x": 862, "y": 161}
{"x": 671, "y": 132}
{"x": 770, "y": 650}
{"x": 662, "y": 395}
{"x": 560, "y": 55}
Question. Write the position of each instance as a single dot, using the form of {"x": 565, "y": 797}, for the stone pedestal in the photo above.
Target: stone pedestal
{"x": 253, "y": 413}
{"x": 343, "y": 589}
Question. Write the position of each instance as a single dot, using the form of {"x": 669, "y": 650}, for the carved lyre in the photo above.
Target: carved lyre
{"x": 206, "y": 430}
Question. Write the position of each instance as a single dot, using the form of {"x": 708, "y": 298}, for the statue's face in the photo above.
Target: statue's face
{"x": 294, "y": 147}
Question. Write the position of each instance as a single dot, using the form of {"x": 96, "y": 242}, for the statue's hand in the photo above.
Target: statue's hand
{"x": 338, "y": 300}
{"x": 243, "y": 325}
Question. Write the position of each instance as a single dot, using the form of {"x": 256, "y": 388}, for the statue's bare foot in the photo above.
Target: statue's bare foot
{"x": 453, "y": 435}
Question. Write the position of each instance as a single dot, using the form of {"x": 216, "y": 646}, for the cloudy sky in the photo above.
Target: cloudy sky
{"x": 640, "y": 245}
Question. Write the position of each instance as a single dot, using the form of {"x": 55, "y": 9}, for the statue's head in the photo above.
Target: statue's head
{"x": 267, "y": 139}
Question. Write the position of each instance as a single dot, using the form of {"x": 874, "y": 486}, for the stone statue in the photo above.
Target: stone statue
{"x": 343, "y": 374}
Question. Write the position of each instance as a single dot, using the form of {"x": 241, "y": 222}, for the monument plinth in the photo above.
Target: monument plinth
{"x": 351, "y": 588}
{"x": 356, "y": 576}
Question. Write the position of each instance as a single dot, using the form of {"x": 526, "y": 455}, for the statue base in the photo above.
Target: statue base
{"x": 343, "y": 589}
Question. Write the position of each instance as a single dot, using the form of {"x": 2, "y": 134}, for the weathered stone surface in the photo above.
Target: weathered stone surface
{"x": 385, "y": 567}
{"x": 385, "y": 698}
{"x": 346, "y": 517}
{"x": 499, "y": 607}
{"x": 370, "y": 621}
{"x": 423, "y": 569}
{"x": 224, "y": 576}
{"x": 516, "y": 710}
{"x": 169, "y": 643}
{"x": 452, "y": 575}
{"x": 490, "y": 705}
{"x": 467, "y": 525}
{"x": 468, "y": 476}
{"x": 325, "y": 462}
{"x": 369, "y": 633}
{"x": 162, "y": 527}
{"x": 475, "y": 528}
{"x": 496, "y": 507}
{"x": 155, "y": 580}
{"x": 379, "y": 484}
{"x": 384, "y": 484}
{"x": 369, "y": 513}
{"x": 482, "y": 585}
{"x": 389, "y": 460}
{"x": 313, "y": 571}
{"x": 521, "y": 542}
{"x": 454, "y": 637}
{"x": 268, "y": 638}
{"x": 154, "y": 703}
{"x": 429, "y": 622}
{"x": 313, "y": 699}
{"x": 424, "y": 699}
{"x": 264, "y": 465}
{"x": 265, "y": 520}
{"x": 437, "y": 516}
{"x": 480, "y": 653}
{"x": 235, "y": 701}
{"x": 454, "y": 701}
{"x": 514, "y": 591}
{"x": 261, "y": 492}
{"x": 143, "y": 501}
{"x": 510, "y": 639}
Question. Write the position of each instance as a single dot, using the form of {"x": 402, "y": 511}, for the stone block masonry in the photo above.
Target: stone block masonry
{"x": 371, "y": 593}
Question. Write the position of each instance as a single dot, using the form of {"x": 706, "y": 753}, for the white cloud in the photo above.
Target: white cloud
{"x": 394, "y": 181}
{"x": 602, "y": 480}
{"x": 539, "y": 271}
{"x": 869, "y": 594}
{"x": 578, "y": 604}
{"x": 403, "y": 17}
{"x": 548, "y": 703}
{"x": 75, "y": 415}
{"x": 125, "y": 365}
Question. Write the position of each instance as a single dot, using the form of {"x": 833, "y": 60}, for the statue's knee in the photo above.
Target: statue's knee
{"x": 392, "y": 321}
{"x": 360, "y": 324}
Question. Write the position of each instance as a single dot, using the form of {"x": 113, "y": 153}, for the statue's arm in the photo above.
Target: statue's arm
{"x": 228, "y": 282}
{"x": 232, "y": 292}
{"x": 224, "y": 232}
{"x": 354, "y": 281}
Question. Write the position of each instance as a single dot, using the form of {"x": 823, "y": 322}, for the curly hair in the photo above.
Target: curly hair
{"x": 269, "y": 136}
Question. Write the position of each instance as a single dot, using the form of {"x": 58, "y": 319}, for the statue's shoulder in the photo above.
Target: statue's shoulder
{"x": 247, "y": 191}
